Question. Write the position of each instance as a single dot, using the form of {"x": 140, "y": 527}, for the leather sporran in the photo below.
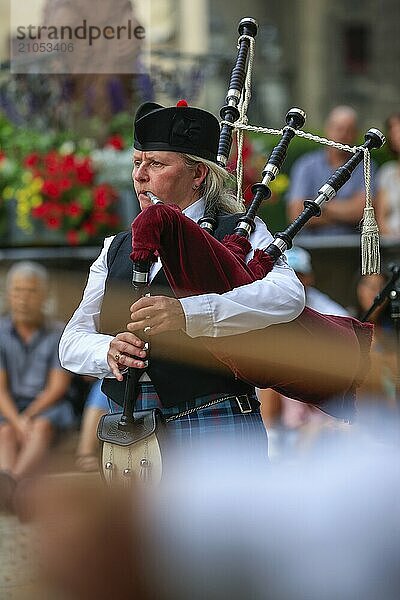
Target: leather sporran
{"x": 135, "y": 454}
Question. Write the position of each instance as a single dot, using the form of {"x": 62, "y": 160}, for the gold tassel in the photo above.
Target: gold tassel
{"x": 370, "y": 253}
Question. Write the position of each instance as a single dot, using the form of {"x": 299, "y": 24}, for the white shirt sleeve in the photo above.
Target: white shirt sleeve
{"x": 82, "y": 349}
{"x": 277, "y": 298}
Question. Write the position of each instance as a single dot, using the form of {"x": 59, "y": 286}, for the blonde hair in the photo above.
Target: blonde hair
{"x": 217, "y": 187}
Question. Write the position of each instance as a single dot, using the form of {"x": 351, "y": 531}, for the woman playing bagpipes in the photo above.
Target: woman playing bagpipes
{"x": 175, "y": 161}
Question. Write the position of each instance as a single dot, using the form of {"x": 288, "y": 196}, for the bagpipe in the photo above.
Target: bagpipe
{"x": 317, "y": 359}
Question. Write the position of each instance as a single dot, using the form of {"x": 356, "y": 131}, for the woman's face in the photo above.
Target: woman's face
{"x": 165, "y": 175}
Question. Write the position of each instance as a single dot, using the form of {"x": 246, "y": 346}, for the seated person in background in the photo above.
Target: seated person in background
{"x": 388, "y": 178}
{"x": 300, "y": 261}
{"x": 281, "y": 414}
{"x": 33, "y": 385}
{"x": 87, "y": 452}
{"x": 343, "y": 213}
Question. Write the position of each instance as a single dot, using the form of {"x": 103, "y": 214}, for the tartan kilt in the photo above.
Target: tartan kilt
{"x": 218, "y": 421}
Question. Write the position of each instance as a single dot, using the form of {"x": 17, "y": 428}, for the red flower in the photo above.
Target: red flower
{"x": 115, "y": 141}
{"x": 72, "y": 204}
{"x": 67, "y": 163}
{"x": 2, "y": 156}
{"x": 51, "y": 162}
{"x": 51, "y": 189}
{"x": 40, "y": 211}
{"x": 84, "y": 172}
{"x": 53, "y": 222}
{"x": 249, "y": 172}
{"x": 31, "y": 160}
{"x": 72, "y": 237}
{"x": 73, "y": 210}
{"x": 101, "y": 196}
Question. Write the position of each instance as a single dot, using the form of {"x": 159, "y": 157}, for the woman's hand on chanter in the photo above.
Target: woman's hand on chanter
{"x": 156, "y": 314}
{"x": 126, "y": 350}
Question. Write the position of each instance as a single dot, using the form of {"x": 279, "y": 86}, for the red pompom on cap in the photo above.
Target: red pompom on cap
{"x": 182, "y": 103}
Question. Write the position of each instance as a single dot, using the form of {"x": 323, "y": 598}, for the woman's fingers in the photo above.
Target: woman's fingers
{"x": 126, "y": 350}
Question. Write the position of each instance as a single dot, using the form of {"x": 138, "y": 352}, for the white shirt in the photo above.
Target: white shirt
{"x": 278, "y": 298}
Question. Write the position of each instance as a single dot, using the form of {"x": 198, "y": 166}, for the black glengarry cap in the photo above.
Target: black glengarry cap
{"x": 180, "y": 128}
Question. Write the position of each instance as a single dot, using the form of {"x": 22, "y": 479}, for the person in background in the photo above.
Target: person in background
{"x": 87, "y": 451}
{"x": 388, "y": 181}
{"x": 300, "y": 261}
{"x": 343, "y": 214}
{"x": 33, "y": 385}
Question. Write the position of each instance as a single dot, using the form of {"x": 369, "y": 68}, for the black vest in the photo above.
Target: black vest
{"x": 191, "y": 371}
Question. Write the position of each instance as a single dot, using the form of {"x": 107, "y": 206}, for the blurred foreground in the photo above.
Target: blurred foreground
{"x": 225, "y": 525}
